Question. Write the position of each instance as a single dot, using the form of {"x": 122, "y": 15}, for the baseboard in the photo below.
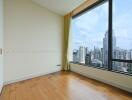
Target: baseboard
{"x": 1, "y": 88}
{"x": 31, "y": 76}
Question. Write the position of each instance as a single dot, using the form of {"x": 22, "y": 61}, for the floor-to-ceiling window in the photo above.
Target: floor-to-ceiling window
{"x": 102, "y": 36}
{"x": 90, "y": 31}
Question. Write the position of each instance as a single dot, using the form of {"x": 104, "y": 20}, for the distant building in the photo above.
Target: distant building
{"x": 102, "y": 56}
{"x": 86, "y": 51}
{"x": 75, "y": 56}
{"x": 98, "y": 57}
{"x": 98, "y": 54}
{"x": 82, "y": 55}
{"x": 96, "y": 63}
{"x": 88, "y": 59}
{"x": 130, "y": 54}
{"x": 105, "y": 48}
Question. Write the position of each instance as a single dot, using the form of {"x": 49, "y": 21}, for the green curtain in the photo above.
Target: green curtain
{"x": 67, "y": 22}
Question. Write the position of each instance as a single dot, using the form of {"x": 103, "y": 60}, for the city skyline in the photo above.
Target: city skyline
{"x": 89, "y": 33}
{"x": 98, "y": 57}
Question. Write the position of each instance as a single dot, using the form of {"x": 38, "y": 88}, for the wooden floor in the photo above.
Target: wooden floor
{"x": 62, "y": 86}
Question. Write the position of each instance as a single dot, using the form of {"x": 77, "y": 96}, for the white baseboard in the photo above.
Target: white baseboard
{"x": 32, "y": 76}
{"x": 1, "y": 86}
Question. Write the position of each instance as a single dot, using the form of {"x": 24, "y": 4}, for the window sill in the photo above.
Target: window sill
{"x": 102, "y": 68}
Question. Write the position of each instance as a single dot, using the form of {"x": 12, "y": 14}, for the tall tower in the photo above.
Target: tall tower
{"x": 130, "y": 54}
{"x": 82, "y": 55}
{"x": 113, "y": 41}
{"x": 88, "y": 59}
{"x": 86, "y": 51}
{"x": 75, "y": 56}
{"x": 105, "y": 50}
{"x": 114, "y": 50}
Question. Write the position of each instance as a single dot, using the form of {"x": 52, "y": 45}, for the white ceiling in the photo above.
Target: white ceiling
{"x": 61, "y": 7}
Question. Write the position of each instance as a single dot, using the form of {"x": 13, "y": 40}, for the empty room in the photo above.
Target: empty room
{"x": 65, "y": 50}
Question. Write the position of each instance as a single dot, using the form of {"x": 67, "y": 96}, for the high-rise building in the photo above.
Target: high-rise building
{"x": 88, "y": 59}
{"x": 102, "y": 56}
{"x": 105, "y": 48}
{"x": 75, "y": 56}
{"x": 98, "y": 54}
{"x": 113, "y": 42}
{"x": 130, "y": 54}
{"x": 129, "y": 65}
{"x": 82, "y": 55}
{"x": 92, "y": 55}
{"x": 86, "y": 51}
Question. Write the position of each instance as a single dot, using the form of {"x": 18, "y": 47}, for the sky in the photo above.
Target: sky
{"x": 89, "y": 29}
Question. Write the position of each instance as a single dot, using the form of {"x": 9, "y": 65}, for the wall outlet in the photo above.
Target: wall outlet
{"x": 0, "y": 51}
{"x": 58, "y": 65}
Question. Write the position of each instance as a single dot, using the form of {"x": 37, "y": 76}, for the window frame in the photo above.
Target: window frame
{"x": 110, "y": 32}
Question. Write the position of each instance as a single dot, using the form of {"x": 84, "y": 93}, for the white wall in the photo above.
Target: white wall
{"x": 118, "y": 80}
{"x": 1, "y": 44}
{"x": 32, "y": 40}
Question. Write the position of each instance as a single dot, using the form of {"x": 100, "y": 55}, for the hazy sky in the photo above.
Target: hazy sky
{"x": 89, "y": 29}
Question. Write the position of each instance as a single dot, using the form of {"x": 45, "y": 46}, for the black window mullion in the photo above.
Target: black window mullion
{"x": 110, "y": 37}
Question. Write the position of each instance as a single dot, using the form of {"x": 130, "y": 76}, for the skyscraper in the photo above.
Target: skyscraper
{"x": 97, "y": 54}
{"x": 75, "y": 56}
{"x": 86, "y": 51}
{"x": 88, "y": 59}
{"x": 82, "y": 55}
{"x": 130, "y": 54}
{"x": 105, "y": 48}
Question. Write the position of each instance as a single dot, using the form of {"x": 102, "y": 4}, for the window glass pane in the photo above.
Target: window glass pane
{"x": 122, "y": 29}
{"x": 90, "y": 37}
{"x": 123, "y": 67}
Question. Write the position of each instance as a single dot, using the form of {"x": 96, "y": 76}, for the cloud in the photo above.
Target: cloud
{"x": 121, "y": 33}
{"x": 87, "y": 22}
{"x": 122, "y": 24}
{"x": 89, "y": 29}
